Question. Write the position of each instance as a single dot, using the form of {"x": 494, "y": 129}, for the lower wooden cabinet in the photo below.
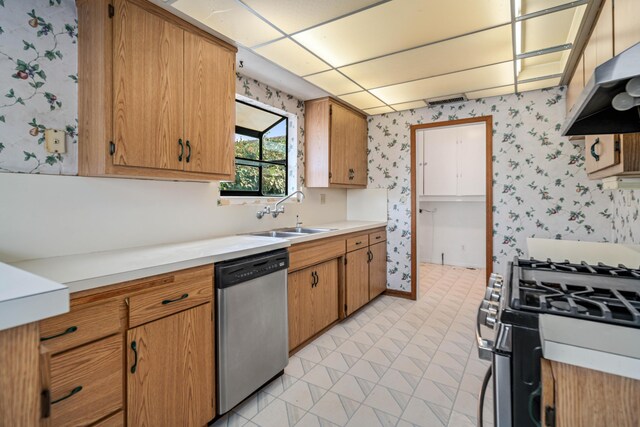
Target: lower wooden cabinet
{"x": 356, "y": 280}
{"x": 169, "y": 370}
{"x": 378, "y": 269}
{"x": 312, "y": 301}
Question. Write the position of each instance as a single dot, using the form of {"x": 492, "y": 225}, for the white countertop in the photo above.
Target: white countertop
{"x": 593, "y": 345}
{"x": 88, "y": 271}
{"x": 26, "y": 297}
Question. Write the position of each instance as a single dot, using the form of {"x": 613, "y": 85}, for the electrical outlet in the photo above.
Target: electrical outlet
{"x": 54, "y": 141}
{"x": 323, "y": 198}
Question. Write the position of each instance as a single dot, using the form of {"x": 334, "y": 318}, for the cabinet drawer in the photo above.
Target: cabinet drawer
{"x": 115, "y": 420}
{"x": 86, "y": 383}
{"x": 305, "y": 254}
{"x": 190, "y": 289}
{"x": 378, "y": 236}
{"x": 80, "y": 326}
{"x": 601, "y": 152}
{"x": 357, "y": 242}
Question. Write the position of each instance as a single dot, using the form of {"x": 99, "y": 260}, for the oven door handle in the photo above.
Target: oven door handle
{"x": 484, "y": 345}
{"x": 483, "y": 393}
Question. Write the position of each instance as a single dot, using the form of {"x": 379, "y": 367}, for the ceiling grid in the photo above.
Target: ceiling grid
{"x": 391, "y": 55}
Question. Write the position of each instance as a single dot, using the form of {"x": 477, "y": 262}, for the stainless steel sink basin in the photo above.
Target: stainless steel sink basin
{"x": 277, "y": 233}
{"x": 302, "y": 230}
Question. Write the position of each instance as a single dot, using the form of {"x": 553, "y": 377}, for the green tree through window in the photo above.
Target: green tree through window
{"x": 260, "y": 152}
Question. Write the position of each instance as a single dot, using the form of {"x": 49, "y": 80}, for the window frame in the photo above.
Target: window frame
{"x": 260, "y": 135}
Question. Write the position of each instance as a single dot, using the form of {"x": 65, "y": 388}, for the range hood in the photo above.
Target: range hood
{"x": 593, "y": 113}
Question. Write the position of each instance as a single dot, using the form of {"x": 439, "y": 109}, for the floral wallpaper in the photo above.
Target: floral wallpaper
{"x": 626, "y": 216}
{"x": 38, "y": 84}
{"x": 540, "y": 188}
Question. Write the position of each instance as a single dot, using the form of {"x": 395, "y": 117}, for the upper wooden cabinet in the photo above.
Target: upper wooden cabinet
{"x": 612, "y": 155}
{"x": 156, "y": 94}
{"x": 626, "y": 30}
{"x": 599, "y": 49}
{"x": 576, "y": 84}
{"x": 336, "y": 145}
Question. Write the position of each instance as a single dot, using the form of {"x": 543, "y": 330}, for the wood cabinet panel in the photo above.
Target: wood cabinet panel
{"x": 626, "y": 30}
{"x": 342, "y": 130}
{"x": 604, "y": 33}
{"x": 148, "y": 90}
{"x": 576, "y": 84}
{"x": 305, "y": 254}
{"x": 300, "y": 306}
{"x": 600, "y": 152}
{"x": 356, "y": 279}
{"x": 81, "y": 325}
{"x": 115, "y": 420}
{"x": 358, "y": 155}
{"x": 172, "y": 383}
{"x": 357, "y": 242}
{"x": 377, "y": 237}
{"x": 325, "y": 294}
{"x": 209, "y": 107}
{"x": 158, "y": 303}
{"x": 86, "y": 383}
{"x": 377, "y": 269}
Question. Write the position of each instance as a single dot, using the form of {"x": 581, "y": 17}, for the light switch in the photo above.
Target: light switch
{"x": 54, "y": 140}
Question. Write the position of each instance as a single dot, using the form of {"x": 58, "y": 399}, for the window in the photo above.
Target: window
{"x": 261, "y": 153}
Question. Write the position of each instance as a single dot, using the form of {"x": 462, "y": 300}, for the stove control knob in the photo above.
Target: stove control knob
{"x": 495, "y": 281}
{"x": 488, "y": 314}
{"x": 492, "y": 294}
{"x": 490, "y": 321}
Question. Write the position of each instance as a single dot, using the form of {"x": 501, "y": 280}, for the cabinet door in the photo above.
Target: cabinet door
{"x": 600, "y": 152}
{"x": 325, "y": 295}
{"x": 626, "y": 32}
{"x": 300, "y": 306}
{"x": 440, "y": 162}
{"x": 378, "y": 269}
{"x": 357, "y": 279}
{"x": 604, "y": 31}
{"x": 171, "y": 372}
{"x": 148, "y": 76}
{"x": 209, "y": 106}
{"x": 358, "y": 157}
{"x": 471, "y": 160}
{"x": 576, "y": 84}
{"x": 341, "y": 130}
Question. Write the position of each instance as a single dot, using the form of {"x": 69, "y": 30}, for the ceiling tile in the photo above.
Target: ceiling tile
{"x": 542, "y": 65}
{"x": 530, "y": 6}
{"x": 409, "y": 105}
{"x": 460, "y": 53}
{"x": 379, "y": 110}
{"x": 448, "y": 84}
{"x": 487, "y": 93}
{"x": 230, "y": 19}
{"x": 292, "y": 57}
{"x": 550, "y": 30}
{"x": 295, "y": 15}
{"x": 362, "y": 100}
{"x": 400, "y": 24}
{"x": 254, "y": 118}
{"x": 334, "y": 82}
{"x": 540, "y": 84}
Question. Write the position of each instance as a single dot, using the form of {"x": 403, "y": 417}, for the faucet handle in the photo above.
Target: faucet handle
{"x": 298, "y": 222}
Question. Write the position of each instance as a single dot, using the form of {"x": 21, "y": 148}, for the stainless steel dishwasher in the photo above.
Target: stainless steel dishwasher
{"x": 252, "y": 337}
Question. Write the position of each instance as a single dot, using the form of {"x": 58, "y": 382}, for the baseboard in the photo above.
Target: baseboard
{"x": 461, "y": 265}
{"x": 397, "y": 293}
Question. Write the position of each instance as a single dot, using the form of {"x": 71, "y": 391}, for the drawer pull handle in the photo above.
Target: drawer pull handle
{"x": 378, "y": 237}
{"x": 169, "y": 301}
{"x": 134, "y": 347}
{"x": 314, "y": 279}
{"x": 369, "y": 256}
{"x": 593, "y": 150}
{"x": 69, "y": 330}
{"x": 358, "y": 243}
{"x": 71, "y": 393}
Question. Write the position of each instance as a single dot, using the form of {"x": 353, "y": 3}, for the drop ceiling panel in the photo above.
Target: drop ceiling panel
{"x": 530, "y": 6}
{"x": 291, "y": 56}
{"x": 400, "y": 24}
{"x": 379, "y": 110}
{"x": 448, "y": 84}
{"x": 487, "y": 93}
{"x": 540, "y": 84}
{"x": 230, "y": 18}
{"x": 362, "y": 100}
{"x": 334, "y": 82}
{"x": 549, "y": 30}
{"x": 542, "y": 65}
{"x": 254, "y": 118}
{"x": 483, "y": 48}
{"x": 295, "y": 15}
{"x": 409, "y": 105}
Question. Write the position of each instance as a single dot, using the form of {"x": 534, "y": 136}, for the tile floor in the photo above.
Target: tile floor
{"x": 394, "y": 363}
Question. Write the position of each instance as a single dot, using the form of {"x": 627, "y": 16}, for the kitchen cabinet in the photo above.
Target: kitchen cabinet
{"x": 453, "y": 160}
{"x": 579, "y": 397}
{"x": 357, "y": 279}
{"x": 335, "y": 144}
{"x": 377, "y": 269}
{"x": 156, "y": 95}
{"x": 576, "y": 84}
{"x": 599, "y": 49}
{"x": 612, "y": 155}
{"x": 169, "y": 370}
{"x": 626, "y": 29}
{"x": 312, "y": 301}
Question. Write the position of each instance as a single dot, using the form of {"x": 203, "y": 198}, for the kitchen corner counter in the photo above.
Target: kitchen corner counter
{"x": 338, "y": 228}
{"x": 26, "y": 297}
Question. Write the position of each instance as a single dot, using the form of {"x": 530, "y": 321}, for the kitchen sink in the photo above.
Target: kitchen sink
{"x": 277, "y": 233}
{"x": 303, "y": 230}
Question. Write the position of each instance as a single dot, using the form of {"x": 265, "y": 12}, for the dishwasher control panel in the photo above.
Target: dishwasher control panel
{"x": 240, "y": 270}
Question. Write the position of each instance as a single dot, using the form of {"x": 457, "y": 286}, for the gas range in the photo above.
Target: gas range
{"x": 511, "y": 306}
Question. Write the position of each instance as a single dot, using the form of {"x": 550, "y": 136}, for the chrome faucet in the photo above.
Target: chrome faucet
{"x": 277, "y": 209}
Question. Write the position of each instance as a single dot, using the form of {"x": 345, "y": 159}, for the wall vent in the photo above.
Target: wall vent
{"x": 446, "y": 100}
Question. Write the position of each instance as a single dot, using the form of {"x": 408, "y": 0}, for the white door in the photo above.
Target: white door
{"x": 420, "y": 161}
{"x": 440, "y": 161}
{"x": 471, "y": 160}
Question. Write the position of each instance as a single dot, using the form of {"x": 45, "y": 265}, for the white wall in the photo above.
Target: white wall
{"x": 457, "y": 229}
{"x": 49, "y": 215}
